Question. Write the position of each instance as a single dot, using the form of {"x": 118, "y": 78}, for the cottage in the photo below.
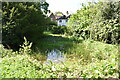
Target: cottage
{"x": 51, "y": 16}
{"x": 62, "y": 21}
{"x": 59, "y": 17}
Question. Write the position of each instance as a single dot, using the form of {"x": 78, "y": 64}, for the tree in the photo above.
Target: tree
{"x": 44, "y": 6}
{"x": 98, "y": 21}
{"x": 22, "y": 19}
{"x": 58, "y": 13}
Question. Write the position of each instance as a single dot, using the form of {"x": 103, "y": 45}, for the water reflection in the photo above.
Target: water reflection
{"x": 55, "y": 56}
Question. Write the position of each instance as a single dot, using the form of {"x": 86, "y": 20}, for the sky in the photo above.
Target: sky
{"x": 66, "y": 5}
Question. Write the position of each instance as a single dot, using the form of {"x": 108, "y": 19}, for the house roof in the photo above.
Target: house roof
{"x": 63, "y": 17}
{"x": 49, "y": 14}
{"x": 68, "y": 16}
{"x": 57, "y": 16}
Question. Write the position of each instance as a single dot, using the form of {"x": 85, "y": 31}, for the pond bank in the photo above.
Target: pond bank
{"x": 87, "y": 59}
{"x": 87, "y": 51}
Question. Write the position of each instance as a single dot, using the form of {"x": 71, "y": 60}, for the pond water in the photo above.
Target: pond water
{"x": 55, "y": 56}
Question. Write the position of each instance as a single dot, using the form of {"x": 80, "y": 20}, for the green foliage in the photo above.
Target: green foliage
{"x": 44, "y": 6}
{"x": 26, "y": 47}
{"x": 78, "y": 22}
{"x": 107, "y": 27}
{"x": 93, "y": 59}
{"x": 98, "y": 21}
{"x": 20, "y": 66}
{"x": 89, "y": 50}
{"x": 22, "y": 19}
{"x": 58, "y": 13}
{"x": 58, "y": 29}
{"x": 89, "y": 59}
{"x": 51, "y": 24}
{"x": 5, "y": 52}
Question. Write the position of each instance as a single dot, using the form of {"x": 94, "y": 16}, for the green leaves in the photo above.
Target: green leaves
{"x": 22, "y": 19}
{"x": 98, "y": 21}
{"x": 57, "y": 29}
{"x": 26, "y": 47}
{"x": 90, "y": 59}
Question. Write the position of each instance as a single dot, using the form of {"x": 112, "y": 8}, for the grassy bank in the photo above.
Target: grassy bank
{"x": 85, "y": 59}
{"x": 53, "y": 41}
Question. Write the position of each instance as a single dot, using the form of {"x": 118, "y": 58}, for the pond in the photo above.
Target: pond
{"x": 55, "y": 56}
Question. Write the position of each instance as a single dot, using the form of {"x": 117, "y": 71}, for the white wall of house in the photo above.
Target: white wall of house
{"x": 62, "y": 22}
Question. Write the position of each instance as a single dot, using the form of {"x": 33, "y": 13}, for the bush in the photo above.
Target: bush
{"x": 58, "y": 29}
{"x": 5, "y": 52}
{"x": 22, "y": 19}
{"x": 24, "y": 49}
{"x": 20, "y": 66}
{"x": 98, "y": 21}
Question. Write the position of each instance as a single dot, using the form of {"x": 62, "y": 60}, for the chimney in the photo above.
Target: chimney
{"x": 67, "y": 12}
{"x": 49, "y": 11}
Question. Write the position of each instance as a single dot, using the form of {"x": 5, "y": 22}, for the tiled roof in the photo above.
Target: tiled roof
{"x": 49, "y": 14}
{"x": 59, "y": 17}
{"x": 64, "y": 17}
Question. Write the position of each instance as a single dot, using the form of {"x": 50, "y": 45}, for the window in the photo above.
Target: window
{"x": 60, "y": 21}
{"x": 51, "y": 19}
{"x": 67, "y": 20}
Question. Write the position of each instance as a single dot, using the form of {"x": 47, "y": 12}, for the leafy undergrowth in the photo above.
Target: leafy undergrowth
{"x": 24, "y": 66}
{"x": 93, "y": 50}
{"x": 89, "y": 59}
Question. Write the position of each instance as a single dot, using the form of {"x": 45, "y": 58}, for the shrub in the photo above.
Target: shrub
{"x": 6, "y": 52}
{"x": 98, "y": 21}
{"x": 26, "y": 47}
{"x": 22, "y": 19}
{"x": 20, "y": 66}
{"x": 58, "y": 29}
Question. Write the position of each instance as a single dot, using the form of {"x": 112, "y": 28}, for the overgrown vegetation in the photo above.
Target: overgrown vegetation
{"x": 22, "y": 19}
{"x": 86, "y": 54}
{"x": 98, "y": 21}
{"x": 58, "y": 29}
{"x": 88, "y": 61}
